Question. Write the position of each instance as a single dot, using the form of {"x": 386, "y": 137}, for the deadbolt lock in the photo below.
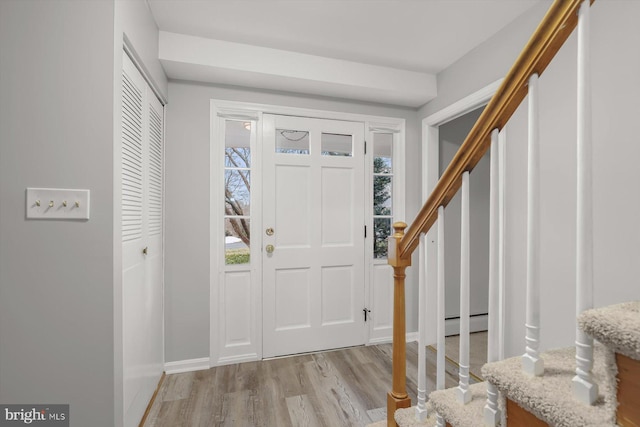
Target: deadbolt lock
{"x": 269, "y": 231}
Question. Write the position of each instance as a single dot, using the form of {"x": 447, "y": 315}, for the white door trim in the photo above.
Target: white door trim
{"x": 463, "y": 106}
{"x": 430, "y": 176}
{"x": 221, "y": 109}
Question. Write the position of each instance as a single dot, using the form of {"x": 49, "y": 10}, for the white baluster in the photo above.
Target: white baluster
{"x": 491, "y": 412}
{"x": 584, "y": 387}
{"x": 421, "y": 407}
{"x": 531, "y": 362}
{"x": 502, "y": 309}
{"x": 464, "y": 394}
{"x": 440, "y": 304}
{"x": 441, "y": 292}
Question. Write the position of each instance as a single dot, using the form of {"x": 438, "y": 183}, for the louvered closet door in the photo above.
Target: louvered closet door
{"x": 142, "y": 173}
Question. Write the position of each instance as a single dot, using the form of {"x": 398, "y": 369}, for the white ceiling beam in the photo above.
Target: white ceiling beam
{"x": 216, "y": 61}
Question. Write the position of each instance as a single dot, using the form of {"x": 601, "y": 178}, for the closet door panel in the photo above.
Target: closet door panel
{"x": 142, "y": 252}
{"x": 133, "y": 267}
{"x": 154, "y": 257}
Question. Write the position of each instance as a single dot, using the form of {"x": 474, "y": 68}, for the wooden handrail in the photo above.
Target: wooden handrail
{"x": 554, "y": 29}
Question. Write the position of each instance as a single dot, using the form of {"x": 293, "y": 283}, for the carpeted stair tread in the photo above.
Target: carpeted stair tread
{"x": 617, "y": 326}
{"x": 549, "y": 397}
{"x": 406, "y": 417}
{"x": 457, "y": 414}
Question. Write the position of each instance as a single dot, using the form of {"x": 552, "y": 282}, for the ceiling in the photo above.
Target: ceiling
{"x": 416, "y": 39}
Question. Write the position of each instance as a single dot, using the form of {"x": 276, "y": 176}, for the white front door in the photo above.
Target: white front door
{"x": 313, "y": 241}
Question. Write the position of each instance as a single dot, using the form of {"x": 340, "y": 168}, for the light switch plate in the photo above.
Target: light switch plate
{"x": 57, "y": 203}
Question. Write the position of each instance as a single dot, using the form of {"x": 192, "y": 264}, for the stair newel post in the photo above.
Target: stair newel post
{"x": 584, "y": 387}
{"x": 491, "y": 412}
{"x": 398, "y": 397}
{"x": 464, "y": 394}
{"x": 532, "y": 364}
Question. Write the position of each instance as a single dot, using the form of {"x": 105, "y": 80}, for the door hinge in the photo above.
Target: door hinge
{"x": 365, "y": 231}
{"x": 366, "y": 311}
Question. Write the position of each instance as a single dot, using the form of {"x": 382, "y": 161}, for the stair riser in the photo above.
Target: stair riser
{"x": 518, "y": 417}
{"x": 628, "y": 391}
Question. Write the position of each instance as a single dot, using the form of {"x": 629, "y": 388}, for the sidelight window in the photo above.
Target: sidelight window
{"x": 237, "y": 192}
{"x": 382, "y": 192}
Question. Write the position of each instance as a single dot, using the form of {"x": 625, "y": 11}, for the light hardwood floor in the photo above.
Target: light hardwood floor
{"x": 335, "y": 388}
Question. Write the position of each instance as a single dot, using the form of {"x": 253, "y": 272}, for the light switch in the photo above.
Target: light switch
{"x": 57, "y": 203}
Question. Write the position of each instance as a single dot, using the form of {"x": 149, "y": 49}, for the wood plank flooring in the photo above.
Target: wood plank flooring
{"x": 335, "y": 388}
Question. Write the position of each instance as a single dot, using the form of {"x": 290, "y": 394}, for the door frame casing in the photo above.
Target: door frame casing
{"x": 430, "y": 176}
{"x": 221, "y": 110}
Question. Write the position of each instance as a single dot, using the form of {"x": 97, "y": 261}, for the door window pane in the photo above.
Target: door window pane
{"x": 381, "y": 231}
{"x": 237, "y": 141}
{"x": 237, "y": 157}
{"x": 292, "y": 141}
{"x": 337, "y": 145}
{"x": 382, "y": 152}
{"x": 237, "y": 240}
{"x": 237, "y": 189}
{"x": 382, "y": 195}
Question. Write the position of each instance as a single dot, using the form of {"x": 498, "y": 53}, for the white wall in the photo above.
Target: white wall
{"x": 187, "y": 203}
{"x": 59, "y": 94}
{"x": 133, "y": 20}
{"x": 615, "y": 108}
{"x": 452, "y": 134}
{"x": 56, "y": 277}
{"x": 486, "y": 63}
{"x": 616, "y": 204}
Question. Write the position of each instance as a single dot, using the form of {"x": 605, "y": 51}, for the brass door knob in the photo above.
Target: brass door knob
{"x": 270, "y": 249}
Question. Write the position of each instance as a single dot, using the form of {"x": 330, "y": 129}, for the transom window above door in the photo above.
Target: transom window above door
{"x": 336, "y": 144}
{"x": 289, "y": 141}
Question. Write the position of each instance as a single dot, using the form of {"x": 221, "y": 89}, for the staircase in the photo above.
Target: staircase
{"x": 548, "y": 400}
{"x": 595, "y": 383}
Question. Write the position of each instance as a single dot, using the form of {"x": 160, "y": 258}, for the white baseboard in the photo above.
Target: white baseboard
{"x": 186, "y": 365}
{"x": 476, "y": 324}
{"x": 451, "y": 327}
{"x": 241, "y": 358}
{"x": 379, "y": 340}
{"x": 410, "y": 337}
